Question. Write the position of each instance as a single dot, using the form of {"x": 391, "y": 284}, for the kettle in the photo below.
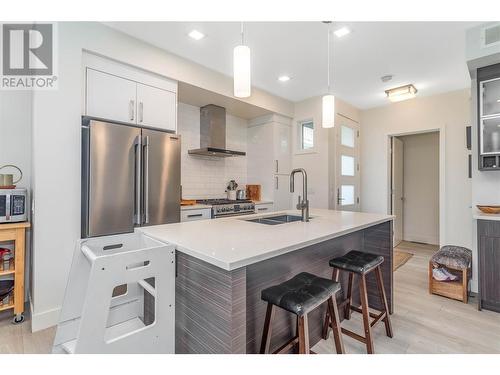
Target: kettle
{"x": 7, "y": 180}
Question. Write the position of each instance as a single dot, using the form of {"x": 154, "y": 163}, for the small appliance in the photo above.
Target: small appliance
{"x": 13, "y": 205}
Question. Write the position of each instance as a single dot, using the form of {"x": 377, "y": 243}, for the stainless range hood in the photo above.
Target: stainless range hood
{"x": 213, "y": 133}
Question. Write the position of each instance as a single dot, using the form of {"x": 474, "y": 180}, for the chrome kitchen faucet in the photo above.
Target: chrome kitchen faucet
{"x": 304, "y": 203}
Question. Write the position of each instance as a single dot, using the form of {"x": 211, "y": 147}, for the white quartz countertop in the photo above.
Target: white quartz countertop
{"x": 478, "y": 215}
{"x": 231, "y": 243}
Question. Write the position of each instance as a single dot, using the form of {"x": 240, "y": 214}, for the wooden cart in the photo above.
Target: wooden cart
{"x": 15, "y": 232}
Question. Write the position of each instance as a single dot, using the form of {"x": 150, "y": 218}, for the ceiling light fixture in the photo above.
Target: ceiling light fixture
{"x": 196, "y": 35}
{"x": 241, "y": 69}
{"x": 343, "y": 31}
{"x": 328, "y": 100}
{"x": 284, "y": 78}
{"x": 401, "y": 93}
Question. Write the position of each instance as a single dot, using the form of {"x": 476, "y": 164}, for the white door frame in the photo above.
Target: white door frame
{"x": 442, "y": 175}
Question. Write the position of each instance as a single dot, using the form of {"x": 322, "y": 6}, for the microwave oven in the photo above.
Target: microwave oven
{"x": 13, "y": 205}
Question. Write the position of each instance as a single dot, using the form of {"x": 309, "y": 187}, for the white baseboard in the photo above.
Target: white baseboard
{"x": 44, "y": 319}
{"x": 421, "y": 239}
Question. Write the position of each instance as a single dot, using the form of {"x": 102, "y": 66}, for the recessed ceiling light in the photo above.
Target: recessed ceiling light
{"x": 498, "y": 100}
{"x": 284, "y": 78}
{"x": 343, "y": 31}
{"x": 196, "y": 35}
{"x": 398, "y": 94}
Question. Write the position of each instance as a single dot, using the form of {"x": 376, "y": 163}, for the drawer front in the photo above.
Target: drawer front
{"x": 264, "y": 207}
{"x": 192, "y": 215}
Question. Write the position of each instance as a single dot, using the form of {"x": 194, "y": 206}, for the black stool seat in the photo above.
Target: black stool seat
{"x": 357, "y": 262}
{"x": 301, "y": 293}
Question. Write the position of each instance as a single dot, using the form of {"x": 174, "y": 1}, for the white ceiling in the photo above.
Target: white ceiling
{"x": 430, "y": 55}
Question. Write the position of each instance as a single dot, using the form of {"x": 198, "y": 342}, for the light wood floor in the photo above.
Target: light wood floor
{"x": 422, "y": 323}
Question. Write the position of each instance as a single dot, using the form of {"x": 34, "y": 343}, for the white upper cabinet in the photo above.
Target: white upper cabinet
{"x": 156, "y": 107}
{"x": 110, "y": 97}
{"x": 119, "y": 92}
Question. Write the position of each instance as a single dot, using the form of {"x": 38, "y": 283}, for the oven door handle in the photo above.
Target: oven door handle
{"x": 7, "y": 207}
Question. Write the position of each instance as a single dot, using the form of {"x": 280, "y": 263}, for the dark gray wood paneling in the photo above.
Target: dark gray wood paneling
{"x": 489, "y": 264}
{"x": 210, "y": 308}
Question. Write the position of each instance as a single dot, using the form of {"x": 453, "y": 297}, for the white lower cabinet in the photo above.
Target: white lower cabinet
{"x": 261, "y": 208}
{"x": 282, "y": 195}
{"x": 196, "y": 214}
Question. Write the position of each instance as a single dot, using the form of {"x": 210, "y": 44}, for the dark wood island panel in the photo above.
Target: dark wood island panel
{"x": 219, "y": 311}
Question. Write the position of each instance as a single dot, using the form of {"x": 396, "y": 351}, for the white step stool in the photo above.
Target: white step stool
{"x": 98, "y": 317}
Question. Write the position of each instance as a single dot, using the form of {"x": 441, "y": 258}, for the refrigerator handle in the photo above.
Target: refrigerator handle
{"x": 146, "y": 180}
{"x": 138, "y": 149}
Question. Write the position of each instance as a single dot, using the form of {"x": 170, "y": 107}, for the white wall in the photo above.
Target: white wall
{"x": 56, "y": 146}
{"x": 15, "y": 146}
{"x": 421, "y": 187}
{"x": 449, "y": 112}
{"x": 203, "y": 176}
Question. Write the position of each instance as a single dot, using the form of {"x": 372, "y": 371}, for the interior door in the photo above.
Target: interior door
{"x": 347, "y": 165}
{"x": 112, "y": 175}
{"x": 397, "y": 188}
{"x": 110, "y": 97}
{"x": 162, "y": 177}
{"x": 156, "y": 107}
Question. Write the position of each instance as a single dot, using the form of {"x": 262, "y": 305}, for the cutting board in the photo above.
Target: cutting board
{"x": 254, "y": 192}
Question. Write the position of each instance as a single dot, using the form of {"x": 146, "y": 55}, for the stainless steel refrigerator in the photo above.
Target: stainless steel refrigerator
{"x": 131, "y": 177}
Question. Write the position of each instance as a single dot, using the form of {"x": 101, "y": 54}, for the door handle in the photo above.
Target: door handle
{"x": 131, "y": 110}
{"x": 138, "y": 149}
{"x": 7, "y": 207}
{"x": 146, "y": 179}
{"x": 141, "y": 111}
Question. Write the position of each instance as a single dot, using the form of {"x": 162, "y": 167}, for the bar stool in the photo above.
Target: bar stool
{"x": 300, "y": 295}
{"x": 360, "y": 263}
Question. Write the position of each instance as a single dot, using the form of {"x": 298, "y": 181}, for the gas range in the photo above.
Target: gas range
{"x": 226, "y": 207}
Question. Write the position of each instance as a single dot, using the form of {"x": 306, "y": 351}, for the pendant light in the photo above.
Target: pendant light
{"x": 241, "y": 69}
{"x": 328, "y": 102}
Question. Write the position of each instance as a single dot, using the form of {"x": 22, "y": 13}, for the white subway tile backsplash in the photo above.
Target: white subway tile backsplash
{"x": 206, "y": 177}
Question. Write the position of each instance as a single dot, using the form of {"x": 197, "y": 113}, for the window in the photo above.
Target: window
{"x": 307, "y": 135}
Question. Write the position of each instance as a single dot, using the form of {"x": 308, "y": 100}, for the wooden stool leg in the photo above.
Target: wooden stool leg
{"x": 326, "y": 324}
{"x": 347, "y": 308}
{"x": 303, "y": 335}
{"x": 366, "y": 314}
{"x": 266, "y": 334}
{"x": 383, "y": 300}
{"x": 337, "y": 333}
{"x": 465, "y": 286}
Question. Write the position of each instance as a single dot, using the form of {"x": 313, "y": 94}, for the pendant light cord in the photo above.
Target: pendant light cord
{"x": 242, "y": 35}
{"x": 328, "y": 58}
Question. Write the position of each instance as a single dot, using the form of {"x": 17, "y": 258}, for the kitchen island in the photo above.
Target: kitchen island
{"x": 224, "y": 264}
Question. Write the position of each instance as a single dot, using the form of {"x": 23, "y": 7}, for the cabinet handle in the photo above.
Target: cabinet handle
{"x": 277, "y": 183}
{"x": 277, "y": 167}
{"x": 141, "y": 111}
{"x": 195, "y": 215}
{"x": 131, "y": 110}
{"x": 262, "y": 209}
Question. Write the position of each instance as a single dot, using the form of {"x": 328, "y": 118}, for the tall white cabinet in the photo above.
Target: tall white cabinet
{"x": 269, "y": 158}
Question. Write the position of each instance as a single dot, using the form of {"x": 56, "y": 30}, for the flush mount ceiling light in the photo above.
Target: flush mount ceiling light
{"x": 328, "y": 100}
{"x": 241, "y": 69}
{"x": 343, "y": 31}
{"x": 401, "y": 93}
{"x": 284, "y": 78}
{"x": 196, "y": 35}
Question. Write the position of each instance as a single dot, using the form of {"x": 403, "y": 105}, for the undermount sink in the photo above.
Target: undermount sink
{"x": 275, "y": 220}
